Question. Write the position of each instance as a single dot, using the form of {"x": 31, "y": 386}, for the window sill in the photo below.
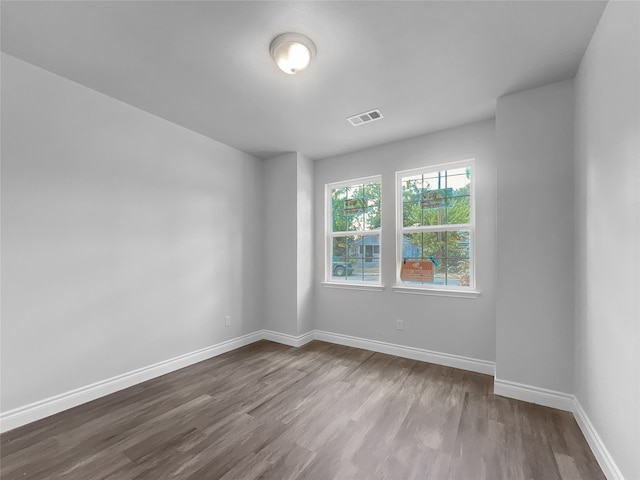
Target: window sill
{"x": 354, "y": 286}
{"x": 438, "y": 292}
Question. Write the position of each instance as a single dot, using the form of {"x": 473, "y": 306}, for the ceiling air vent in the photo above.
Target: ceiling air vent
{"x": 363, "y": 118}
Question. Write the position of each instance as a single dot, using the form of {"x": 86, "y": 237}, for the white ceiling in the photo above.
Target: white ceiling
{"x": 205, "y": 65}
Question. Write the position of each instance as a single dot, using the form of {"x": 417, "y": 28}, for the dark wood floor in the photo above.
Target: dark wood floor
{"x": 322, "y": 411}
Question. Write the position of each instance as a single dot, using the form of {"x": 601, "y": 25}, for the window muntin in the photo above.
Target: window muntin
{"x": 436, "y": 227}
{"x": 353, "y": 233}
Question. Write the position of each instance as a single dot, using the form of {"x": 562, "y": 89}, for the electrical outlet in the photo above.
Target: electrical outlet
{"x": 399, "y": 324}
{"x": 227, "y": 321}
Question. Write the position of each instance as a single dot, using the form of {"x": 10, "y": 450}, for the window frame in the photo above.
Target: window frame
{"x": 329, "y": 235}
{"x": 445, "y": 290}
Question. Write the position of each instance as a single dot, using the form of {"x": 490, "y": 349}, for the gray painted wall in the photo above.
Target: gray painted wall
{"x": 305, "y": 238}
{"x": 279, "y": 249}
{"x": 455, "y": 326}
{"x": 534, "y": 304}
{"x": 125, "y": 239}
{"x": 607, "y": 168}
{"x": 287, "y": 249}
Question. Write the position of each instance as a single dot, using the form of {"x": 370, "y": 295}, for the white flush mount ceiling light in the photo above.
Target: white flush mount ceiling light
{"x": 292, "y": 52}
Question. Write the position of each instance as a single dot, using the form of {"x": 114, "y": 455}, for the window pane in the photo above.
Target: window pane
{"x": 458, "y": 265}
{"x": 339, "y": 249}
{"x": 441, "y": 272}
{"x": 459, "y": 272}
{"x": 411, "y": 214}
{"x": 447, "y": 251}
{"x": 339, "y": 218}
{"x": 438, "y": 266}
{"x": 372, "y": 218}
{"x": 412, "y": 246}
{"x": 459, "y": 210}
{"x": 434, "y": 244}
{"x": 458, "y": 244}
{"x": 424, "y": 245}
{"x": 433, "y": 216}
{"x": 342, "y": 264}
{"x": 433, "y": 181}
{"x": 354, "y": 247}
{"x": 372, "y": 194}
{"x": 356, "y": 258}
{"x": 459, "y": 179}
{"x": 355, "y": 208}
{"x": 355, "y": 220}
{"x": 411, "y": 188}
{"x": 443, "y": 198}
{"x": 435, "y": 200}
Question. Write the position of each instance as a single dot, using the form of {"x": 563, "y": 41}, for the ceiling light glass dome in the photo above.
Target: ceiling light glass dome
{"x": 292, "y": 52}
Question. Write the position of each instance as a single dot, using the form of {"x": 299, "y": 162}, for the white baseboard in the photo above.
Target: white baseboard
{"x": 50, "y": 406}
{"x": 609, "y": 467}
{"x": 563, "y": 401}
{"x": 528, "y": 393}
{"x": 58, "y": 403}
{"x": 456, "y": 361}
{"x": 287, "y": 339}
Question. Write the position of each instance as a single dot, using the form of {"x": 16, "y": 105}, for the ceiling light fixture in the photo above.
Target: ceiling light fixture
{"x": 292, "y": 52}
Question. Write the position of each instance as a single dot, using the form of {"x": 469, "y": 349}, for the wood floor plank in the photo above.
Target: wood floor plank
{"x": 322, "y": 411}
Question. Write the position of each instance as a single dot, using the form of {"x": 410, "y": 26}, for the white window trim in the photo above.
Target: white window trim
{"x": 329, "y": 235}
{"x": 369, "y": 286}
{"x": 439, "y": 290}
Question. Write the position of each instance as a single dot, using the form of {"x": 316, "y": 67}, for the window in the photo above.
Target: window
{"x": 353, "y": 231}
{"x": 435, "y": 227}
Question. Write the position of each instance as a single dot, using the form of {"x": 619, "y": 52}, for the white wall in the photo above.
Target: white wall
{"x": 607, "y": 168}
{"x": 279, "y": 247}
{"x": 456, "y": 326}
{"x": 534, "y": 309}
{"x": 288, "y": 244}
{"x": 125, "y": 239}
{"x": 306, "y": 240}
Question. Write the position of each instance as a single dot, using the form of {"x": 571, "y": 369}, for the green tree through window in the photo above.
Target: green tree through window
{"x": 435, "y": 208}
